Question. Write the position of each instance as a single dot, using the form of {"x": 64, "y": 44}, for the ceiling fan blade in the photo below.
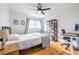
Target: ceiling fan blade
{"x": 31, "y": 9}
{"x": 42, "y": 12}
{"x": 46, "y": 9}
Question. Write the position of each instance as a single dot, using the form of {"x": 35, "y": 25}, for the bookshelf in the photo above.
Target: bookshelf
{"x": 52, "y": 29}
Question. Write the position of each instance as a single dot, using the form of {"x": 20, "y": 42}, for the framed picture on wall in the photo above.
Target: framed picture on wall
{"x": 15, "y": 21}
{"x": 22, "y": 22}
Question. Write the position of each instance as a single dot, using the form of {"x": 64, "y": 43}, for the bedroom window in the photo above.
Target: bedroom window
{"x": 34, "y": 24}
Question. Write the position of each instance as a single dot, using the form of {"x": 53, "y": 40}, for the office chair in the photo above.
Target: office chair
{"x": 67, "y": 39}
{"x": 75, "y": 44}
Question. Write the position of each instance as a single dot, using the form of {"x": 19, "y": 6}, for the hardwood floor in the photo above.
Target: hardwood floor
{"x": 54, "y": 49}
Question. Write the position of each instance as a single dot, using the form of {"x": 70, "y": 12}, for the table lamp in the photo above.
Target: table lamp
{"x": 3, "y": 37}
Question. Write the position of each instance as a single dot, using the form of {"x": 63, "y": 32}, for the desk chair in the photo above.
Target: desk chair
{"x": 75, "y": 43}
{"x": 66, "y": 39}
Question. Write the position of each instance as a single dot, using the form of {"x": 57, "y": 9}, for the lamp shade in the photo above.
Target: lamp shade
{"x": 3, "y": 34}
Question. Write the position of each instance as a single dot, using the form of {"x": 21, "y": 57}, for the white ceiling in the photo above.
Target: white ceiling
{"x": 55, "y": 7}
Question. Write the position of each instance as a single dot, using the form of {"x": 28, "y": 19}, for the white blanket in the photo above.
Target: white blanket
{"x": 29, "y": 40}
{"x": 26, "y": 40}
{"x": 45, "y": 39}
{"x": 39, "y": 34}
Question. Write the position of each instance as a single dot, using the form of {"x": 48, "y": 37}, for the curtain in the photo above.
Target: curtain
{"x": 42, "y": 26}
{"x": 34, "y": 26}
{"x": 27, "y": 26}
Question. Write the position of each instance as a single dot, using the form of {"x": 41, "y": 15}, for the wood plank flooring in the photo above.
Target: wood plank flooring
{"x": 54, "y": 49}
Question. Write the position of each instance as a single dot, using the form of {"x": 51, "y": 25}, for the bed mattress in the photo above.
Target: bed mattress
{"x": 25, "y": 40}
{"x": 39, "y": 34}
{"x": 29, "y": 40}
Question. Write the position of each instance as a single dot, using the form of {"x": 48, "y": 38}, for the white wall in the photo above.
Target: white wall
{"x": 67, "y": 18}
{"x": 4, "y": 15}
{"x": 20, "y": 29}
{"x": 17, "y": 28}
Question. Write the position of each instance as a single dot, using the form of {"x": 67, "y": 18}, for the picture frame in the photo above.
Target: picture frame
{"x": 15, "y": 21}
{"x": 22, "y": 22}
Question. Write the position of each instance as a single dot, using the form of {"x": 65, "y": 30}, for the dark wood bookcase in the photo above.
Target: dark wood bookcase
{"x": 52, "y": 27}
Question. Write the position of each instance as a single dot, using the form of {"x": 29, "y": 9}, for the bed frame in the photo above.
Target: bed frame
{"x": 5, "y": 27}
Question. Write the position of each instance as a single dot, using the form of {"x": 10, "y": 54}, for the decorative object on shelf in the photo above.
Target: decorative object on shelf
{"x": 15, "y": 21}
{"x": 22, "y": 22}
{"x": 52, "y": 28}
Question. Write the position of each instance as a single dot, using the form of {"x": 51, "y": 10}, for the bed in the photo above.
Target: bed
{"x": 24, "y": 41}
{"x": 45, "y": 39}
{"x": 29, "y": 40}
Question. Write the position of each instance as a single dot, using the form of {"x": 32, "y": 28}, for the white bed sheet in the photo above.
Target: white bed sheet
{"x": 45, "y": 39}
{"x": 29, "y": 40}
{"x": 39, "y": 34}
{"x": 25, "y": 40}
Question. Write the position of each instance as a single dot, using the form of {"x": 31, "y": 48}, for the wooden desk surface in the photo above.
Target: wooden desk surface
{"x": 71, "y": 34}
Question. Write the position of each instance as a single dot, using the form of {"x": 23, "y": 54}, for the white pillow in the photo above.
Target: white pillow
{"x": 13, "y": 37}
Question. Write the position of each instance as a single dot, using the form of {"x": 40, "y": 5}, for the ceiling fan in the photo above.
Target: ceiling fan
{"x": 39, "y": 8}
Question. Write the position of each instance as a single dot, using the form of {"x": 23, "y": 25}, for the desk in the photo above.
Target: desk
{"x": 71, "y": 35}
